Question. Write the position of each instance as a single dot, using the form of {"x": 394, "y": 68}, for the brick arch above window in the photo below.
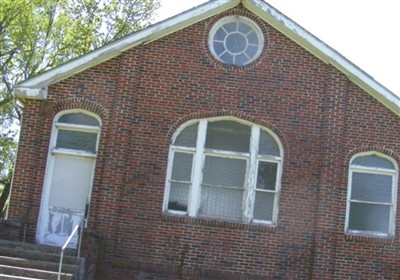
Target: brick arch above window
{"x": 377, "y": 149}
{"x": 83, "y": 104}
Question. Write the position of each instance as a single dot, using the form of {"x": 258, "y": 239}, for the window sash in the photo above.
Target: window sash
{"x": 65, "y": 128}
{"x": 268, "y": 208}
{"x": 372, "y": 187}
{"x": 375, "y": 221}
{"x": 77, "y": 140}
{"x": 176, "y": 182}
{"x": 221, "y": 202}
{"x": 253, "y": 192}
{"x": 180, "y": 193}
{"x": 352, "y": 201}
{"x": 393, "y": 188}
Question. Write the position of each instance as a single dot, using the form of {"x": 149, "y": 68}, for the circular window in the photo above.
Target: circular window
{"x": 236, "y": 40}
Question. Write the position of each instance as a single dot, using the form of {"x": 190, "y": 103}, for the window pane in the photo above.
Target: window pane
{"x": 231, "y": 26}
{"x": 369, "y": 217}
{"x": 227, "y": 58}
{"x": 228, "y": 136}
{"x": 221, "y": 202}
{"x": 266, "y": 176}
{"x": 220, "y": 35}
{"x": 219, "y": 48}
{"x": 224, "y": 171}
{"x": 264, "y": 206}
{"x": 235, "y": 43}
{"x": 251, "y": 51}
{"x": 79, "y": 118}
{"x": 182, "y": 167}
{"x": 241, "y": 59}
{"x": 373, "y": 161}
{"x": 244, "y": 28}
{"x": 178, "y": 197}
{"x": 77, "y": 140}
{"x": 187, "y": 137}
{"x": 371, "y": 187}
{"x": 268, "y": 145}
{"x": 253, "y": 38}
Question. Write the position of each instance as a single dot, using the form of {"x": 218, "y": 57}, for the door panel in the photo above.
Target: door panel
{"x": 70, "y": 187}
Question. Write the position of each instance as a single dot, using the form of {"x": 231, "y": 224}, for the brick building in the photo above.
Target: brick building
{"x": 224, "y": 143}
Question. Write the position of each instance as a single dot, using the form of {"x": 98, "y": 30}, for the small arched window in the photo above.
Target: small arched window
{"x": 77, "y": 131}
{"x": 372, "y": 195}
{"x": 224, "y": 168}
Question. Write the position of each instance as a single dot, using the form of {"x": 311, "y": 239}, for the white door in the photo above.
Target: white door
{"x": 69, "y": 177}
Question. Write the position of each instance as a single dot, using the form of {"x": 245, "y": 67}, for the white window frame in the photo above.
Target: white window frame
{"x": 236, "y": 19}
{"x": 53, "y": 152}
{"x": 353, "y": 168}
{"x": 74, "y": 127}
{"x": 199, "y": 153}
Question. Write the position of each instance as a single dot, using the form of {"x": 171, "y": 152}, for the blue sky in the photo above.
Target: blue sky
{"x": 364, "y": 31}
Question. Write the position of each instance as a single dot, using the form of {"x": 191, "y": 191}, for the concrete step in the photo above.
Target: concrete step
{"x": 35, "y": 247}
{"x": 37, "y": 264}
{"x": 33, "y": 273}
{"x": 11, "y": 277}
{"x": 20, "y": 260}
{"x": 42, "y": 256}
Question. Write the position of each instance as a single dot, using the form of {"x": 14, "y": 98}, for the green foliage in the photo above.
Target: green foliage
{"x": 182, "y": 260}
{"x": 36, "y": 35}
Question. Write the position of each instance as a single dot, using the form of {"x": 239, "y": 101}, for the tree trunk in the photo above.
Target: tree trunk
{"x": 4, "y": 197}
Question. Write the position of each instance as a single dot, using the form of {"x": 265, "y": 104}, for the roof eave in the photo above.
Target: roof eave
{"x": 37, "y": 87}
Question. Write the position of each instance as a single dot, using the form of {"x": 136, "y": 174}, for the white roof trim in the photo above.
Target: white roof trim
{"x": 36, "y": 88}
{"x": 31, "y": 87}
{"x": 318, "y": 48}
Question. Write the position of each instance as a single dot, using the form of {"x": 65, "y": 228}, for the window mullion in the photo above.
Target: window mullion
{"x": 195, "y": 193}
{"x": 251, "y": 175}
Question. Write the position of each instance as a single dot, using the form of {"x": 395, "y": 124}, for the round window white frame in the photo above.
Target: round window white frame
{"x": 241, "y": 57}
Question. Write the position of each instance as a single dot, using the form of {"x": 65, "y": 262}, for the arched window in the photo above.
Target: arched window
{"x": 69, "y": 175}
{"x": 372, "y": 195}
{"x": 224, "y": 168}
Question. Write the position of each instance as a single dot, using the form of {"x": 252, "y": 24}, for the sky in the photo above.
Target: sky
{"x": 364, "y": 31}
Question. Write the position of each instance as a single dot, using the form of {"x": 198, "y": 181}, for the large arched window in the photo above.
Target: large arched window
{"x": 224, "y": 168}
{"x": 372, "y": 195}
{"x": 69, "y": 175}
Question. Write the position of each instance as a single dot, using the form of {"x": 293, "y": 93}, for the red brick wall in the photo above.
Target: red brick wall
{"x": 142, "y": 96}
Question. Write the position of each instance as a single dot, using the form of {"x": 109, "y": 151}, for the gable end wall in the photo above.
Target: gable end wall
{"x": 144, "y": 94}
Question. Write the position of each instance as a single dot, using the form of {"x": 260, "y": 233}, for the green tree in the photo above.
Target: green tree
{"x": 36, "y": 35}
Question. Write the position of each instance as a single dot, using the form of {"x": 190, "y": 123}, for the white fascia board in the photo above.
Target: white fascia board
{"x": 30, "y": 92}
{"x": 36, "y": 87}
{"x": 321, "y": 50}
